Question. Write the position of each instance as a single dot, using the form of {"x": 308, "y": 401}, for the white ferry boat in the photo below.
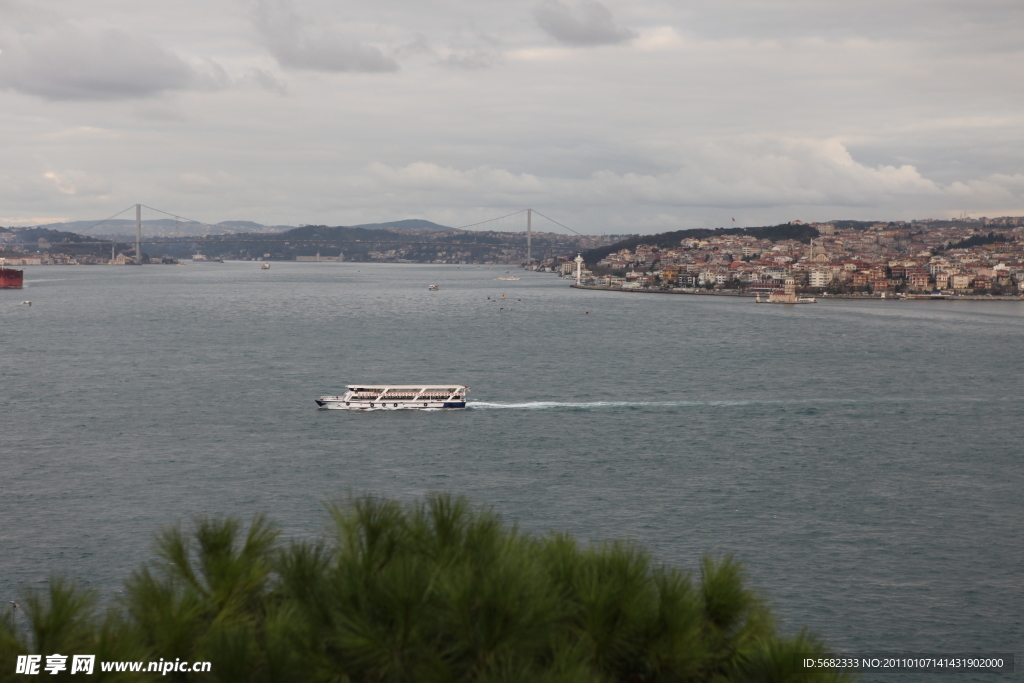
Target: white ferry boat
{"x": 397, "y": 397}
{"x": 780, "y": 298}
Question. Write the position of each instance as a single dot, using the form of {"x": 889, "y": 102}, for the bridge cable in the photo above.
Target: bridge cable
{"x": 490, "y": 220}
{"x": 190, "y": 220}
{"x": 107, "y": 219}
{"x": 557, "y": 223}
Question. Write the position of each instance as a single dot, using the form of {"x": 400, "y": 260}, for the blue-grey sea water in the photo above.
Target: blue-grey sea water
{"x": 863, "y": 458}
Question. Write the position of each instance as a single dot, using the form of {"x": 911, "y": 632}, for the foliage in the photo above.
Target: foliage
{"x": 853, "y": 225}
{"x": 785, "y": 231}
{"x": 433, "y": 591}
{"x": 32, "y": 235}
{"x": 979, "y": 240}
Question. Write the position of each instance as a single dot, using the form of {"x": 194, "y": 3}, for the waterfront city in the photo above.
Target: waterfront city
{"x": 981, "y": 257}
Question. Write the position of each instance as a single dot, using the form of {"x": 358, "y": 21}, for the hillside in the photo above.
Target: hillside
{"x": 408, "y": 224}
{"x": 162, "y": 227}
{"x": 168, "y": 227}
{"x": 785, "y": 231}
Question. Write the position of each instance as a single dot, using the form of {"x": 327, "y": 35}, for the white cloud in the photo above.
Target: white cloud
{"x": 587, "y": 22}
{"x": 730, "y": 174}
{"x": 205, "y": 183}
{"x": 431, "y": 177}
{"x": 79, "y": 183}
{"x": 658, "y": 38}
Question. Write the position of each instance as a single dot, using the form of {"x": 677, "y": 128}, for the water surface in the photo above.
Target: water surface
{"x": 862, "y": 458}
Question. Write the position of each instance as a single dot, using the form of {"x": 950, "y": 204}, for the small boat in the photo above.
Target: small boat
{"x": 785, "y": 298}
{"x": 397, "y": 397}
{"x": 508, "y": 277}
{"x": 265, "y": 266}
{"x": 433, "y": 288}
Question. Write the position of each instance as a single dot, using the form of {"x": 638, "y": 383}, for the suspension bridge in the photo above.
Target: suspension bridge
{"x": 387, "y": 238}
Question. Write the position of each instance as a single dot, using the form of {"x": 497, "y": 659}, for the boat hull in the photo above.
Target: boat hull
{"x": 11, "y": 278}
{"x": 339, "y": 403}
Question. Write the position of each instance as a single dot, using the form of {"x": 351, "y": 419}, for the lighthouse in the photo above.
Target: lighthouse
{"x": 579, "y": 268}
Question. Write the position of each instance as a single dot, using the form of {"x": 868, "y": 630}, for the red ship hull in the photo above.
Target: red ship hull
{"x": 11, "y": 278}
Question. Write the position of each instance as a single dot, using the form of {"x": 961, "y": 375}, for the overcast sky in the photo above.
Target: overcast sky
{"x": 608, "y": 116}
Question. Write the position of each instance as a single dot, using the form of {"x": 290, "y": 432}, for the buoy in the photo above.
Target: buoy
{"x": 587, "y": 312}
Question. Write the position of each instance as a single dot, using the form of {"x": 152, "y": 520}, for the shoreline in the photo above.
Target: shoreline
{"x": 820, "y": 297}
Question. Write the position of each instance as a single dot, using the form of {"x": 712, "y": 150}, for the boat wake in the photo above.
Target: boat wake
{"x": 599, "y": 405}
{"x": 596, "y": 405}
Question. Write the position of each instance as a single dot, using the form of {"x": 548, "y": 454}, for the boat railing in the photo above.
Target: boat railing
{"x": 408, "y": 394}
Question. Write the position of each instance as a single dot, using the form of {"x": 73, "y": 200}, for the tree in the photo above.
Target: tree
{"x": 436, "y": 590}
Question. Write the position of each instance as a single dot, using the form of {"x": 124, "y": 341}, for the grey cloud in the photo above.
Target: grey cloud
{"x": 298, "y": 46}
{"x": 472, "y": 60}
{"x": 924, "y": 105}
{"x": 472, "y": 50}
{"x": 264, "y": 79}
{"x": 587, "y": 23}
{"x": 65, "y": 62}
{"x": 418, "y": 46}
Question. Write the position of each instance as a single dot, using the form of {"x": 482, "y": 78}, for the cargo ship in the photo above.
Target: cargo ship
{"x": 11, "y": 278}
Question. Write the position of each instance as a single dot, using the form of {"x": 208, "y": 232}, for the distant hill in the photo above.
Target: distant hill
{"x": 785, "y": 231}
{"x": 328, "y": 234}
{"x": 31, "y": 236}
{"x": 162, "y": 227}
{"x": 168, "y": 227}
{"x": 408, "y": 224}
{"x": 372, "y": 232}
{"x": 251, "y": 226}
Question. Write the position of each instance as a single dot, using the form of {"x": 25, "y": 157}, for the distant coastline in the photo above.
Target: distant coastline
{"x": 751, "y": 295}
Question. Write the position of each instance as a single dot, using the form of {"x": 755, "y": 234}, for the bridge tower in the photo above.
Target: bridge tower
{"x": 138, "y": 234}
{"x": 529, "y": 235}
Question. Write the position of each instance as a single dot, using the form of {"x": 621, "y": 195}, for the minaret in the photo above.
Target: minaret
{"x": 579, "y": 268}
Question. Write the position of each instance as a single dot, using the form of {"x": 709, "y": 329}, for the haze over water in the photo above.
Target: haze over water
{"x": 862, "y": 458}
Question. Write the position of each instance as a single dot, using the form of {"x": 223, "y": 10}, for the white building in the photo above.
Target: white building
{"x": 819, "y": 277}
